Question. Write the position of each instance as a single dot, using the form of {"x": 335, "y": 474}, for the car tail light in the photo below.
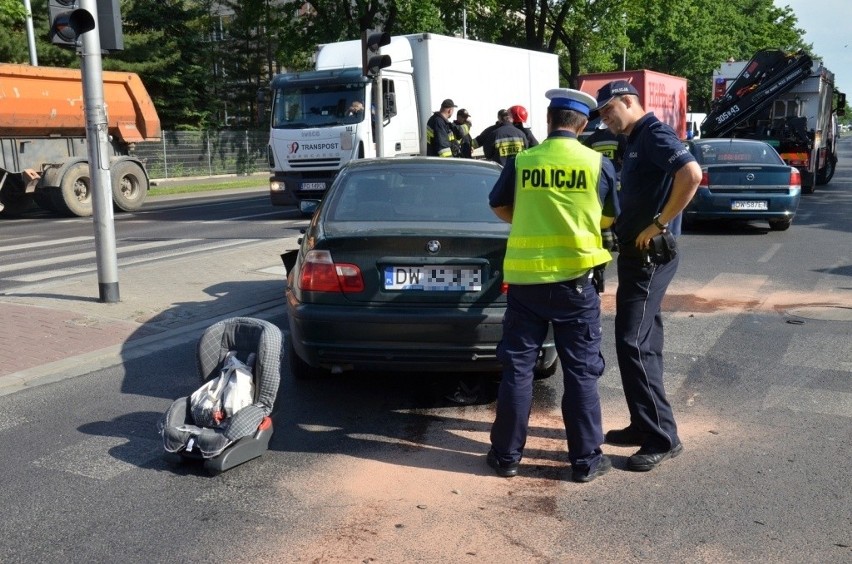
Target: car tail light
{"x": 321, "y": 274}
{"x": 795, "y": 177}
{"x": 504, "y": 288}
{"x": 705, "y": 179}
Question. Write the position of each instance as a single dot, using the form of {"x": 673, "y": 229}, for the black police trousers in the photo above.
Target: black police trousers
{"x": 573, "y": 308}
{"x": 639, "y": 346}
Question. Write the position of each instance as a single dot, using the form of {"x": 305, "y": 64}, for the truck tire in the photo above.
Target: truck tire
{"x": 129, "y": 186}
{"x": 824, "y": 176}
{"x": 74, "y": 196}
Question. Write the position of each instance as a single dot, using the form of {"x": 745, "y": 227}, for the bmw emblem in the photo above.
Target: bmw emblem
{"x": 750, "y": 176}
{"x": 433, "y": 246}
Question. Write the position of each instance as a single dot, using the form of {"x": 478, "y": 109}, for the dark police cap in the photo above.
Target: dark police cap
{"x": 462, "y": 114}
{"x": 570, "y": 99}
{"x": 613, "y": 89}
{"x": 448, "y": 103}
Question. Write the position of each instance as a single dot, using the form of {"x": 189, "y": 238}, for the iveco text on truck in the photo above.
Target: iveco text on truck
{"x": 314, "y": 133}
{"x": 43, "y": 154}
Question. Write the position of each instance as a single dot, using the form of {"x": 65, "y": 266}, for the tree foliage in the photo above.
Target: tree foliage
{"x": 208, "y": 62}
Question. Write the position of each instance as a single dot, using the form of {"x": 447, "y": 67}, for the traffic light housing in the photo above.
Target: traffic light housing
{"x": 371, "y": 43}
{"x": 68, "y": 21}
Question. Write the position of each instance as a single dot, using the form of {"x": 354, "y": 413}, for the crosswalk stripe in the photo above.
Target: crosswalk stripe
{"x": 58, "y": 273}
{"x": 808, "y": 400}
{"x": 54, "y": 243}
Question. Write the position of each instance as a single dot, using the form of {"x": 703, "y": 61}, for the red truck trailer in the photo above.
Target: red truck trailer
{"x": 663, "y": 94}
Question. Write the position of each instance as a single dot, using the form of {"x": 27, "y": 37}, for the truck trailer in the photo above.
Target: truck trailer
{"x": 43, "y": 146}
{"x": 313, "y": 134}
{"x": 663, "y": 94}
{"x": 786, "y": 99}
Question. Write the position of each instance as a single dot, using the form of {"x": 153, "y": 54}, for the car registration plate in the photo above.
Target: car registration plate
{"x": 437, "y": 278}
{"x": 740, "y": 205}
{"x": 313, "y": 185}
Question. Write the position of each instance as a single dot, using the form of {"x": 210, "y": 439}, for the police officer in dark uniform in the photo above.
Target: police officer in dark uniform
{"x": 659, "y": 177}
{"x": 552, "y": 195}
{"x": 441, "y": 132}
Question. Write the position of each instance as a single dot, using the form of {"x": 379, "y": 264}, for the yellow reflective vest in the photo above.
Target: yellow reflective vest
{"x": 556, "y": 233}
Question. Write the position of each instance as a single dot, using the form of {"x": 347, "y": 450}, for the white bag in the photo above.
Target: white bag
{"x": 239, "y": 391}
{"x": 221, "y": 397}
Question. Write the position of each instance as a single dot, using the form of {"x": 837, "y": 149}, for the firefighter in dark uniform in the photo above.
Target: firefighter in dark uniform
{"x": 519, "y": 117}
{"x": 502, "y": 143}
{"x": 659, "y": 177}
{"x": 552, "y": 195}
{"x": 463, "y": 142}
{"x": 441, "y": 132}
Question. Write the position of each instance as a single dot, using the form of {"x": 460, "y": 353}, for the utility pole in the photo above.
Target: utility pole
{"x": 97, "y": 141}
{"x": 31, "y": 34}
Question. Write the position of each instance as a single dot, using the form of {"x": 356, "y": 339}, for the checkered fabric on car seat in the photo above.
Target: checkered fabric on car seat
{"x": 244, "y": 335}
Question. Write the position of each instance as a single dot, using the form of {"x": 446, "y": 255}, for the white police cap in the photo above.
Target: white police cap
{"x": 570, "y": 99}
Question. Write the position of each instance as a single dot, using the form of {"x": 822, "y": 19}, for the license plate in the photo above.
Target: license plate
{"x": 740, "y": 205}
{"x": 313, "y": 185}
{"x": 433, "y": 278}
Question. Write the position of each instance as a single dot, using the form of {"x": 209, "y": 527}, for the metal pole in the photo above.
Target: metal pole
{"x": 31, "y": 34}
{"x": 165, "y": 159}
{"x": 380, "y": 116}
{"x": 98, "y": 151}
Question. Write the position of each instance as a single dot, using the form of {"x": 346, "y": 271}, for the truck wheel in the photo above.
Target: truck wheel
{"x": 824, "y": 175}
{"x": 129, "y": 186}
{"x": 14, "y": 203}
{"x": 74, "y": 196}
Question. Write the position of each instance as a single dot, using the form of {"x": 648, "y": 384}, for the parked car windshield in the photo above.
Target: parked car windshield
{"x": 735, "y": 152}
{"x": 455, "y": 193}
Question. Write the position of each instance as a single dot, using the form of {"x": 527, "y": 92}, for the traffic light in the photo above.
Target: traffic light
{"x": 68, "y": 22}
{"x": 371, "y": 43}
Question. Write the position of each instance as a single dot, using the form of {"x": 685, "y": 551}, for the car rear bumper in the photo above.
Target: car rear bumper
{"x": 708, "y": 205}
{"x": 439, "y": 339}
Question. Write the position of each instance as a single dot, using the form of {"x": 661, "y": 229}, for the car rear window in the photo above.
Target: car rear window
{"x": 414, "y": 194}
{"x": 735, "y": 153}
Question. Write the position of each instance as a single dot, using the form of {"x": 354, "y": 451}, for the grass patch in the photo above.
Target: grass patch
{"x": 207, "y": 186}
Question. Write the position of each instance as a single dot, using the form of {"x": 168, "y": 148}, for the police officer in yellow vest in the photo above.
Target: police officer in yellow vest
{"x": 553, "y": 195}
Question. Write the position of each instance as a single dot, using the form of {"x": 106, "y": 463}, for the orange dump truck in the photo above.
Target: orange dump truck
{"x": 43, "y": 147}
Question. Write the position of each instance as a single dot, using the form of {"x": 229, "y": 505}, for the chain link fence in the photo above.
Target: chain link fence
{"x": 205, "y": 153}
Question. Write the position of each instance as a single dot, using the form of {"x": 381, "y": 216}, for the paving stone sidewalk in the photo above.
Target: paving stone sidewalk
{"x": 53, "y": 331}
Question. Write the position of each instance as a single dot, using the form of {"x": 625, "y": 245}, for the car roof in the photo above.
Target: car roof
{"x": 385, "y": 162}
{"x": 728, "y": 140}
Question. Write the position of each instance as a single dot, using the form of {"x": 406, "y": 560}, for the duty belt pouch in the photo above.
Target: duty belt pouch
{"x": 662, "y": 248}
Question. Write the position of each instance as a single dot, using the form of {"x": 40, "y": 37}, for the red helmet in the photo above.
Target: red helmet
{"x": 519, "y": 114}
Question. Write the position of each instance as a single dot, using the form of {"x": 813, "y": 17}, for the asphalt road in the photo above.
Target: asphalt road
{"x": 378, "y": 467}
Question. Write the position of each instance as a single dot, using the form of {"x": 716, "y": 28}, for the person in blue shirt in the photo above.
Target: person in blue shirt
{"x": 659, "y": 177}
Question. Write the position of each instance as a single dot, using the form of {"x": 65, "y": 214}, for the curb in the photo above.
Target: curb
{"x": 115, "y": 355}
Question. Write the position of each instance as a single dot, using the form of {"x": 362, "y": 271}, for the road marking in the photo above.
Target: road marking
{"x": 39, "y": 276}
{"x": 767, "y": 256}
{"x": 55, "y": 242}
{"x": 820, "y": 351}
{"x": 90, "y": 254}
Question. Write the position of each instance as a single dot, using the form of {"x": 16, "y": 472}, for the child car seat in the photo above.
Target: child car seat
{"x": 246, "y": 434}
